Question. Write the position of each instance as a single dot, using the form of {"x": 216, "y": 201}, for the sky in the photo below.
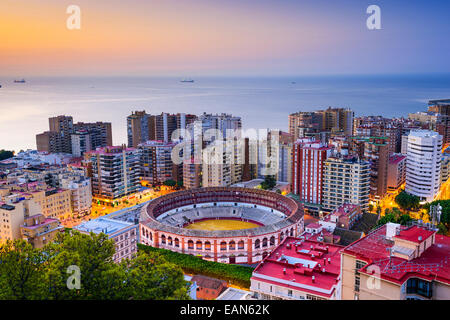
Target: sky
{"x": 222, "y": 37}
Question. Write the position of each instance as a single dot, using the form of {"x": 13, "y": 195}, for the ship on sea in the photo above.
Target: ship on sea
{"x": 19, "y": 81}
{"x": 187, "y": 80}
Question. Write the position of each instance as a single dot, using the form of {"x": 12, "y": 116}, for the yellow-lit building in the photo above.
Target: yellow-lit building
{"x": 13, "y": 210}
{"x": 39, "y": 230}
{"x": 54, "y": 203}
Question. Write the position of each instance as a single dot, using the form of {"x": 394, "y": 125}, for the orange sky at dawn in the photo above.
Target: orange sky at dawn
{"x": 161, "y": 36}
{"x": 214, "y": 37}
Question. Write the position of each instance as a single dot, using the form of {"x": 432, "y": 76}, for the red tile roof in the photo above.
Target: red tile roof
{"x": 415, "y": 234}
{"x": 433, "y": 264}
{"x": 294, "y": 263}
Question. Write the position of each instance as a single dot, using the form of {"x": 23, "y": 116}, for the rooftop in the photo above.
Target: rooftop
{"x": 344, "y": 210}
{"x": 396, "y": 158}
{"x": 415, "y": 234}
{"x": 105, "y": 225}
{"x": 375, "y": 248}
{"x": 207, "y": 282}
{"x": 234, "y": 294}
{"x": 304, "y": 265}
{"x": 423, "y": 133}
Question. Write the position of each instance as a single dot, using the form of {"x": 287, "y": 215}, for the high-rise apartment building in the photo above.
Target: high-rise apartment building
{"x": 161, "y": 127}
{"x": 217, "y": 166}
{"x": 284, "y": 143}
{"x": 61, "y": 139}
{"x": 331, "y": 120}
{"x": 81, "y": 143}
{"x": 390, "y": 131}
{"x": 423, "y": 164}
{"x": 346, "y": 179}
{"x": 305, "y": 124}
{"x": 100, "y": 133}
{"x": 307, "y": 171}
{"x": 115, "y": 172}
{"x": 64, "y": 126}
{"x": 337, "y": 120}
{"x": 192, "y": 174}
{"x": 138, "y": 128}
{"x": 156, "y": 162}
{"x": 443, "y": 127}
{"x": 396, "y": 171}
{"x": 48, "y": 141}
{"x": 375, "y": 150}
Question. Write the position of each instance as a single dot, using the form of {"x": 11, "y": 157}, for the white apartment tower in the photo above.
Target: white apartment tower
{"x": 423, "y": 164}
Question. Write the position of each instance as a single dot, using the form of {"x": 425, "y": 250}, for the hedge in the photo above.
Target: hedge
{"x": 233, "y": 274}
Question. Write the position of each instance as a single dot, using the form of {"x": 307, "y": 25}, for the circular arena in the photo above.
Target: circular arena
{"x": 229, "y": 225}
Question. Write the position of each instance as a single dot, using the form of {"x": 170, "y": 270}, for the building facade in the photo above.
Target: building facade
{"x": 156, "y": 162}
{"x": 115, "y": 172}
{"x": 307, "y": 170}
{"x": 423, "y": 164}
{"x": 123, "y": 234}
{"x": 299, "y": 269}
{"x": 39, "y": 230}
{"x": 345, "y": 180}
{"x": 397, "y": 263}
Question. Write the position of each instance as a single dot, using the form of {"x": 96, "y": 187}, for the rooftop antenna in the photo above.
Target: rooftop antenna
{"x": 390, "y": 256}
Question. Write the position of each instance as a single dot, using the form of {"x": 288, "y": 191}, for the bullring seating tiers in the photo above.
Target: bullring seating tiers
{"x": 179, "y": 219}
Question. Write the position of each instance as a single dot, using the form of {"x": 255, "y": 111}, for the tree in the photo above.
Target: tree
{"x": 394, "y": 215}
{"x": 442, "y": 229}
{"x": 170, "y": 183}
{"x": 28, "y": 273}
{"x": 407, "y": 201}
{"x": 4, "y": 154}
{"x": 269, "y": 183}
{"x": 151, "y": 277}
{"x": 20, "y": 271}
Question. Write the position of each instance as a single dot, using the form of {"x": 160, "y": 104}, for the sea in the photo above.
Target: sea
{"x": 261, "y": 102}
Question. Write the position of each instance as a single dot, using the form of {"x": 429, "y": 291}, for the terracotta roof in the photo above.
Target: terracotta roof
{"x": 207, "y": 282}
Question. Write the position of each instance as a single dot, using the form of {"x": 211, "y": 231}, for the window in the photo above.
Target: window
{"x": 419, "y": 287}
{"x": 264, "y": 242}
{"x": 357, "y": 283}
{"x": 358, "y": 266}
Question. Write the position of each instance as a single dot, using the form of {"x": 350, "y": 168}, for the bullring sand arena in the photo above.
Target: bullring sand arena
{"x": 221, "y": 224}
{"x": 228, "y": 225}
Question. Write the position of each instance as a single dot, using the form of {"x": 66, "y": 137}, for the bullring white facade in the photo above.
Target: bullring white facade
{"x": 163, "y": 221}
